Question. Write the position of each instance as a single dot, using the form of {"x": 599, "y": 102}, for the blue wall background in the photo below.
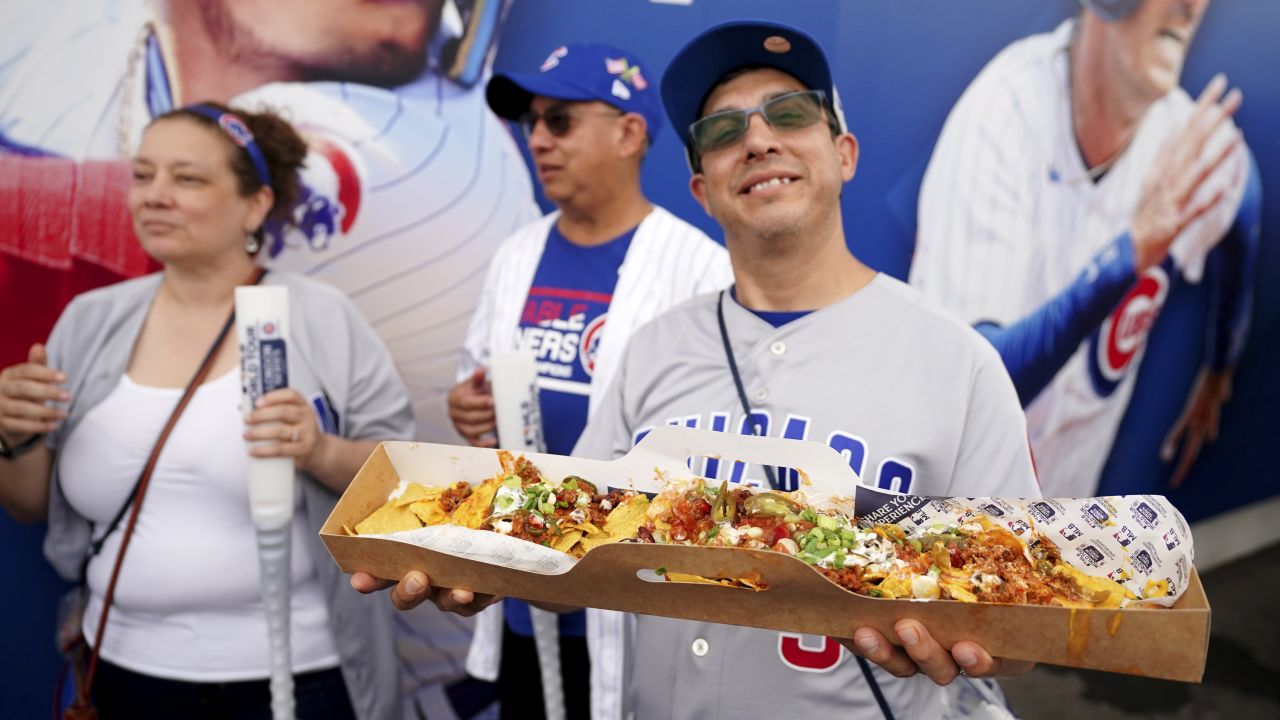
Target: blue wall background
{"x": 900, "y": 65}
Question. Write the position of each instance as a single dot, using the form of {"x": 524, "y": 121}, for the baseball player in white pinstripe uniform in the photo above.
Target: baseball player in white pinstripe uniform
{"x": 409, "y": 188}
{"x": 411, "y": 182}
{"x": 570, "y": 289}
{"x": 828, "y": 350}
{"x": 1073, "y": 184}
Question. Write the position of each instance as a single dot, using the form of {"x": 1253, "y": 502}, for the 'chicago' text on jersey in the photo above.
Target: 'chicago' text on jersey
{"x": 890, "y": 473}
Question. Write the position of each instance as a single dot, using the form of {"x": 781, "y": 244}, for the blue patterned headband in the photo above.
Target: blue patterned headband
{"x": 239, "y": 132}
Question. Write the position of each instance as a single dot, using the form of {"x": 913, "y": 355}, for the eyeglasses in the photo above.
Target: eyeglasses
{"x": 793, "y": 111}
{"x": 559, "y": 118}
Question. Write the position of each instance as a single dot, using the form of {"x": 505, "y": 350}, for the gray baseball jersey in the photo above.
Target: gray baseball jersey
{"x": 915, "y": 400}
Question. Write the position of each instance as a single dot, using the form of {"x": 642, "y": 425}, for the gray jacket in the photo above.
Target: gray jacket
{"x": 334, "y": 353}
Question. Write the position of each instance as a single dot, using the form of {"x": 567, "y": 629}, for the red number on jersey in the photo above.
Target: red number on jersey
{"x": 799, "y": 653}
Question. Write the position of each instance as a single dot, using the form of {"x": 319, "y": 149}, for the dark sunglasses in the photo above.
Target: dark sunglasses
{"x": 559, "y": 118}
{"x": 793, "y": 111}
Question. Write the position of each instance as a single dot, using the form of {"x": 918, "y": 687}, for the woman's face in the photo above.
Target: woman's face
{"x": 185, "y": 201}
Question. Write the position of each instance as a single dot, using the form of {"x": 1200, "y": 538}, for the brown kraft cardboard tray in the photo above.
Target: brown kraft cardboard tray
{"x": 1169, "y": 643}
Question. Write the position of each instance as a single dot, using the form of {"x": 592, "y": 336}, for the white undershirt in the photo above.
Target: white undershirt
{"x": 188, "y": 604}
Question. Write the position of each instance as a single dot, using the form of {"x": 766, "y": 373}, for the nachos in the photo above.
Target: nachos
{"x": 978, "y": 561}
{"x": 570, "y": 515}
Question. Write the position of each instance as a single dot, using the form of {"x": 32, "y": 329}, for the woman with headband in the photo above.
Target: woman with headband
{"x": 186, "y": 634}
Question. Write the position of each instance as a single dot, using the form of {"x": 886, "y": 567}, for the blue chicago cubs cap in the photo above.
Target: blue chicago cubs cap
{"x": 581, "y": 71}
{"x": 721, "y": 49}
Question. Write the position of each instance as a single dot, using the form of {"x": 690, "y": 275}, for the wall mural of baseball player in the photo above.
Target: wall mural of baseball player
{"x": 1073, "y": 183}
{"x": 410, "y": 183}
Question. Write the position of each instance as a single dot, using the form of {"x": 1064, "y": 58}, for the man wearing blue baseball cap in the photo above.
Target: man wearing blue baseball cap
{"x": 809, "y": 343}
{"x": 589, "y": 116}
{"x": 812, "y": 341}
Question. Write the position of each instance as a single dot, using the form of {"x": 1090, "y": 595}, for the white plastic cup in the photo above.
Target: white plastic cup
{"x": 514, "y": 378}
{"x": 262, "y": 331}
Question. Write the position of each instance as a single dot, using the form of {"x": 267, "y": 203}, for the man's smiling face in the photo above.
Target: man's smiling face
{"x": 771, "y": 181}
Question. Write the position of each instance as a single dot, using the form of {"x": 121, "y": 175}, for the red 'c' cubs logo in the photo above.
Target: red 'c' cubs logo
{"x": 589, "y": 343}
{"x": 1123, "y": 334}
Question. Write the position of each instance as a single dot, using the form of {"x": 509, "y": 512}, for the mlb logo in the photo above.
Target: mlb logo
{"x": 1071, "y": 531}
{"x": 1018, "y": 527}
{"x": 1171, "y": 540}
{"x": 1124, "y": 536}
{"x": 919, "y": 517}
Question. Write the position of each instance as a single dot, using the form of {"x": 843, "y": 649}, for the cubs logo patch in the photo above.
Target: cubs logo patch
{"x": 1114, "y": 345}
{"x": 589, "y": 344}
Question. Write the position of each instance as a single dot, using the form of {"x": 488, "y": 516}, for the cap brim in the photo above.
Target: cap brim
{"x": 700, "y": 65}
{"x": 509, "y": 94}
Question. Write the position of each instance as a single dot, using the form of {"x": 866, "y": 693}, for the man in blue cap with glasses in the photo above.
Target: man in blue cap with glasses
{"x": 809, "y": 343}
{"x": 589, "y": 116}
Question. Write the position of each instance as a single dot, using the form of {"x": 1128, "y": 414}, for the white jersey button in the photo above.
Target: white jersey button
{"x": 778, "y": 348}
{"x": 700, "y": 647}
{"x": 761, "y": 394}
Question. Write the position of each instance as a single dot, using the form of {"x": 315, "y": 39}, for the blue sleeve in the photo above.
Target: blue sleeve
{"x": 1036, "y": 347}
{"x": 1230, "y": 272}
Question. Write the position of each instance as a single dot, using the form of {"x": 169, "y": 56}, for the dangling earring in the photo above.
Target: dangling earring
{"x": 252, "y": 244}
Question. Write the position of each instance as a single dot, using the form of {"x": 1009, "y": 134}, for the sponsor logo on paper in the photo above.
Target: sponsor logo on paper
{"x": 1096, "y": 515}
{"x": 1017, "y": 527}
{"x": 1171, "y": 540}
{"x": 1143, "y": 514}
{"x": 1042, "y": 511}
{"x": 1143, "y": 561}
{"x": 993, "y": 510}
{"x": 1071, "y": 531}
{"x": 1090, "y": 555}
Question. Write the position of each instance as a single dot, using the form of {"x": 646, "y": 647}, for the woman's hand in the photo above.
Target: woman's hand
{"x": 284, "y": 425}
{"x": 26, "y": 391}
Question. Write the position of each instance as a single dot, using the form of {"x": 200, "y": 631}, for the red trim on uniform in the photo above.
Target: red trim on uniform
{"x": 571, "y": 294}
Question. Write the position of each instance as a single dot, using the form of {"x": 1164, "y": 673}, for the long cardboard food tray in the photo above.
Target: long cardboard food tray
{"x": 1169, "y": 643}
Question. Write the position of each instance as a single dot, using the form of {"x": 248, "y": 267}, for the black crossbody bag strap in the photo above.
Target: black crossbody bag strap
{"x": 773, "y": 482}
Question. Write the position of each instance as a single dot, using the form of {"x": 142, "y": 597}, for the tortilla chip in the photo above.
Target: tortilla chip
{"x": 1102, "y": 592}
{"x": 564, "y": 543}
{"x": 590, "y": 529}
{"x": 623, "y": 523}
{"x": 388, "y": 519}
{"x": 744, "y": 583}
{"x": 429, "y": 512}
{"x": 475, "y": 509}
{"x": 625, "y": 520}
{"x": 415, "y": 492}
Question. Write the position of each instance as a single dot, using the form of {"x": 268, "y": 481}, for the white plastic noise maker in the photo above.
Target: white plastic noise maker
{"x": 262, "y": 330}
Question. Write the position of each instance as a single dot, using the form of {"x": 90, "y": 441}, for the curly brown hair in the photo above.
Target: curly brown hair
{"x": 283, "y": 150}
